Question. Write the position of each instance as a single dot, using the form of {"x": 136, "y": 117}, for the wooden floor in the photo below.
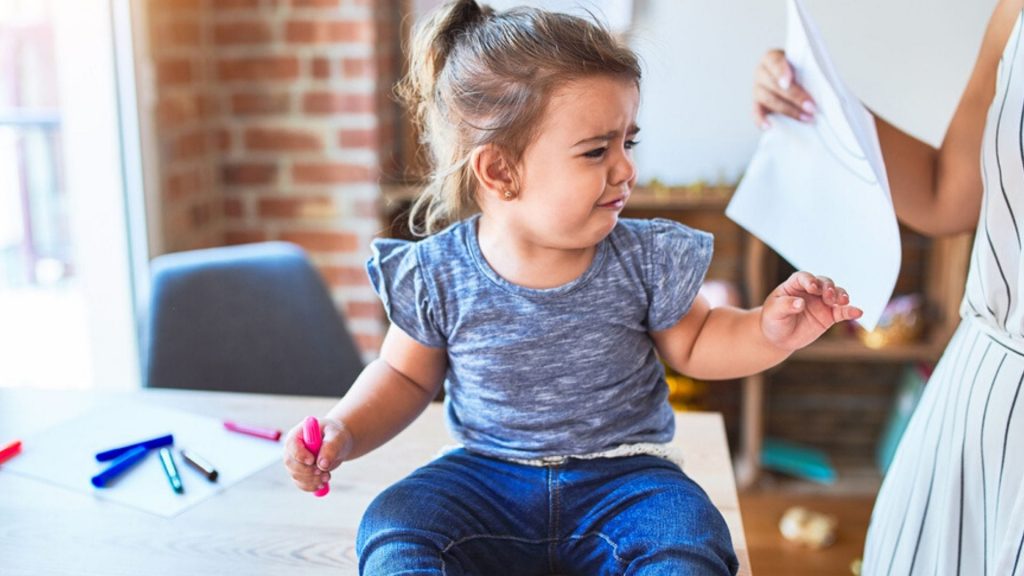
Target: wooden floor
{"x": 772, "y": 555}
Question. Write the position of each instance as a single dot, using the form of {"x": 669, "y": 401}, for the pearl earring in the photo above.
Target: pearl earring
{"x": 509, "y": 194}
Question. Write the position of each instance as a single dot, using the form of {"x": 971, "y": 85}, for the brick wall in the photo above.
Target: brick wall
{"x": 275, "y": 122}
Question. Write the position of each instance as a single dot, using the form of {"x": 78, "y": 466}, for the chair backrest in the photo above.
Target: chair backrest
{"x": 248, "y": 318}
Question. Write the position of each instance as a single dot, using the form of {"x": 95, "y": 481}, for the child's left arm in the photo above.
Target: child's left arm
{"x": 726, "y": 342}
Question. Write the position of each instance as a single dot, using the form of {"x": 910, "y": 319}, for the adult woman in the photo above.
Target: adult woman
{"x": 952, "y": 501}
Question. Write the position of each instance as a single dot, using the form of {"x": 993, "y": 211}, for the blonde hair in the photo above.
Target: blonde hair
{"x": 479, "y": 77}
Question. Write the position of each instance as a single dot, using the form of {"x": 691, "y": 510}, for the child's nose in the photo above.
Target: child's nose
{"x": 624, "y": 170}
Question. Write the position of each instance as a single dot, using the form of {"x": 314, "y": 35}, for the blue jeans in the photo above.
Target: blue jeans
{"x": 466, "y": 514}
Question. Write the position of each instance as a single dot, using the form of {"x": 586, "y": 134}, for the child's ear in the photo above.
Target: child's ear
{"x": 493, "y": 172}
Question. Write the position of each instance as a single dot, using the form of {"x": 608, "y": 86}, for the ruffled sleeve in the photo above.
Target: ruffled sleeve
{"x": 397, "y": 277}
{"x": 677, "y": 260}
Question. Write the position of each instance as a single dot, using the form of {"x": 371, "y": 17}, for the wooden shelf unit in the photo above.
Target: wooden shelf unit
{"x": 942, "y": 289}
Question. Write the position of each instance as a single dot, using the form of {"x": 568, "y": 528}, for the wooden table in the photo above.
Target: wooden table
{"x": 262, "y": 525}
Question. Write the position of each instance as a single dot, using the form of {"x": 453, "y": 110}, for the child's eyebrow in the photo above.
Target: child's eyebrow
{"x": 633, "y": 131}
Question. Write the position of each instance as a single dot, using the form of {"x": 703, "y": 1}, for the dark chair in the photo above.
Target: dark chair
{"x": 249, "y": 318}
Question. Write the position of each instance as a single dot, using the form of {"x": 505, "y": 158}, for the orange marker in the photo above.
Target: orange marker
{"x": 10, "y": 451}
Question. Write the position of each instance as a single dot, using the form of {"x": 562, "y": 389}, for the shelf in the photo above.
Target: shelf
{"x": 851, "y": 349}
{"x": 858, "y": 475}
{"x": 696, "y": 197}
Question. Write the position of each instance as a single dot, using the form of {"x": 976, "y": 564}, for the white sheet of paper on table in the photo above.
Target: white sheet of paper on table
{"x": 818, "y": 192}
{"x": 65, "y": 455}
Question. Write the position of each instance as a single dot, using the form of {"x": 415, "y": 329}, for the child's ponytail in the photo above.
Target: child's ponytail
{"x": 431, "y": 45}
{"x": 447, "y": 192}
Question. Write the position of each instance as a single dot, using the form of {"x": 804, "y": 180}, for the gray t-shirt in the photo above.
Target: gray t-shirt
{"x": 564, "y": 371}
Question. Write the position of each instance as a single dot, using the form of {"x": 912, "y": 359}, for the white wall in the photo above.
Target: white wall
{"x": 908, "y": 60}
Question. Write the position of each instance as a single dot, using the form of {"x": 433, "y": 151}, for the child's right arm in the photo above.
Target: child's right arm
{"x": 388, "y": 395}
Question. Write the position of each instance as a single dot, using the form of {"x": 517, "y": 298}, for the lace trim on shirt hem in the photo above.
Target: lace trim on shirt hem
{"x": 666, "y": 451}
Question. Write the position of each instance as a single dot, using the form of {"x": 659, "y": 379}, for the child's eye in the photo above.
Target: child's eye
{"x": 596, "y": 153}
{"x": 630, "y": 144}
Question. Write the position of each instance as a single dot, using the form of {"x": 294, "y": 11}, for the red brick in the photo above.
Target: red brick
{"x": 176, "y": 33}
{"x": 233, "y": 208}
{"x": 209, "y": 106}
{"x": 200, "y": 215}
{"x": 352, "y": 138}
{"x": 358, "y": 68}
{"x": 183, "y": 184}
{"x": 249, "y": 174}
{"x": 282, "y": 140}
{"x": 175, "y": 110}
{"x": 338, "y": 102}
{"x": 173, "y": 6}
{"x": 264, "y": 68}
{"x": 321, "y": 68}
{"x": 241, "y": 33}
{"x": 323, "y": 241}
{"x": 296, "y": 207}
{"x": 315, "y": 3}
{"x": 235, "y": 4}
{"x": 331, "y": 173}
{"x": 345, "y": 276}
{"x": 173, "y": 71}
{"x": 368, "y": 343}
{"x": 259, "y": 103}
{"x": 244, "y": 236}
{"x": 329, "y": 31}
{"x": 223, "y": 139}
{"x": 362, "y": 309}
{"x": 190, "y": 145}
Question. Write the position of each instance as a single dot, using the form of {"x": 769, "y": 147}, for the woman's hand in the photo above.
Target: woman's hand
{"x": 777, "y": 92}
{"x": 802, "y": 308}
{"x": 310, "y": 475}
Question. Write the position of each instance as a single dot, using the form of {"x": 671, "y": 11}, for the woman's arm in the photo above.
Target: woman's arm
{"x": 938, "y": 192}
{"x": 935, "y": 191}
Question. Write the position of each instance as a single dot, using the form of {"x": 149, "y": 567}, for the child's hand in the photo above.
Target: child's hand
{"x": 802, "y": 308}
{"x": 307, "y": 474}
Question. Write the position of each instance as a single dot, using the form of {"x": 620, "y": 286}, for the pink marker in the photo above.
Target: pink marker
{"x": 265, "y": 433}
{"x": 313, "y": 439}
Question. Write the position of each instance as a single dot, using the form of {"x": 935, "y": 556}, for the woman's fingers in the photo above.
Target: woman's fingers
{"x": 776, "y": 91}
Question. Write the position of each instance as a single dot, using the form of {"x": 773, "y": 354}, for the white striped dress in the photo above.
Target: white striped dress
{"x": 953, "y": 502}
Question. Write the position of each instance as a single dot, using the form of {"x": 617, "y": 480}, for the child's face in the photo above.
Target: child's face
{"x": 578, "y": 172}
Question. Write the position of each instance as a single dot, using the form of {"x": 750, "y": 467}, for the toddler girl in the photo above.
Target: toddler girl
{"x": 544, "y": 316}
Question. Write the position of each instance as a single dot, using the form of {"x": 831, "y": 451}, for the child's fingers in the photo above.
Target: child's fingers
{"x": 829, "y": 295}
{"x": 842, "y": 296}
{"x": 803, "y": 281}
{"x": 295, "y": 450}
{"x": 337, "y": 444}
{"x": 311, "y": 482}
{"x": 781, "y": 307}
{"x": 841, "y": 313}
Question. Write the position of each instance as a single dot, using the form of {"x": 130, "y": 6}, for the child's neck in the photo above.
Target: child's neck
{"x": 529, "y": 264}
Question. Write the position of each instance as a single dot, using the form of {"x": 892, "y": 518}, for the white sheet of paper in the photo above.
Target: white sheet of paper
{"x": 65, "y": 455}
{"x": 818, "y": 193}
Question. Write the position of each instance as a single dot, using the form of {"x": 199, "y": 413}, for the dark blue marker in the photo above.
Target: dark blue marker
{"x": 124, "y": 462}
{"x": 157, "y": 442}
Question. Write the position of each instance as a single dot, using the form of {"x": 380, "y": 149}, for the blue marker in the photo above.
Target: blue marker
{"x": 124, "y": 462}
{"x": 147, "y": 444}
{"x": 167, "y": 461}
